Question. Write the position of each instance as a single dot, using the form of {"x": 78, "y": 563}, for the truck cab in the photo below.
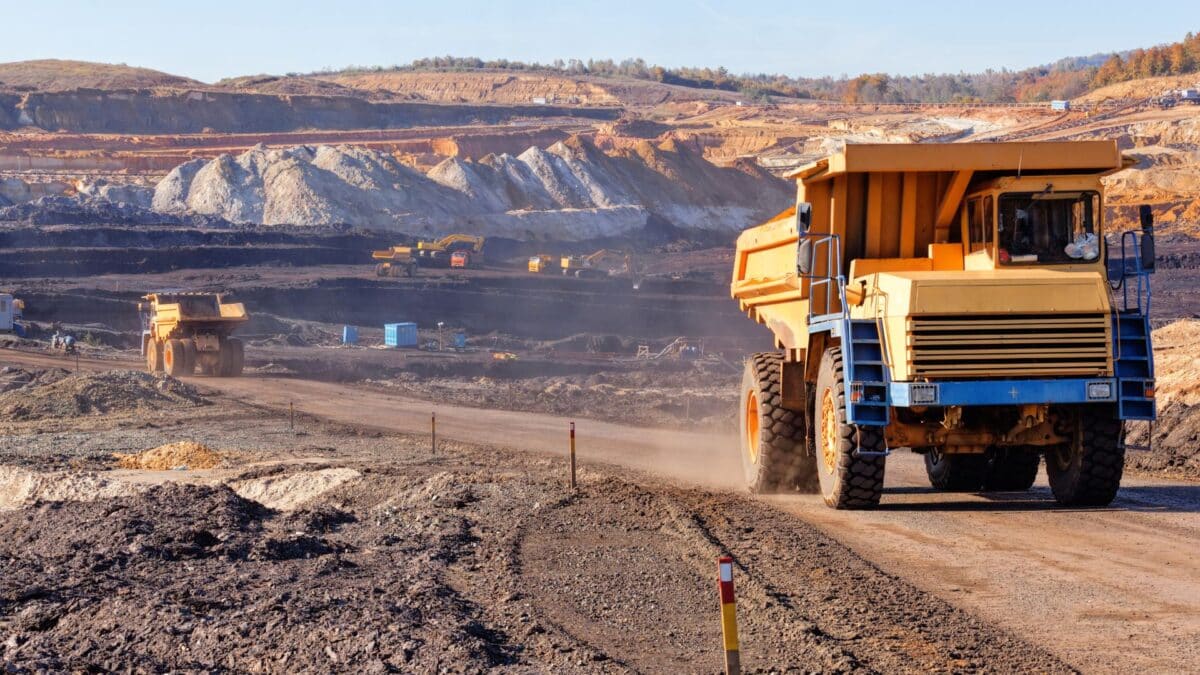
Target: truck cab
{"x": 958, "y": 300}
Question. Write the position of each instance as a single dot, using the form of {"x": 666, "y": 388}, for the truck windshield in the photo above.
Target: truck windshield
{"x": 1048, "y": 228}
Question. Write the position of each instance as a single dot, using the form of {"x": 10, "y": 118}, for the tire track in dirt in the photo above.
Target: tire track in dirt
{"x": 629, "y": 569}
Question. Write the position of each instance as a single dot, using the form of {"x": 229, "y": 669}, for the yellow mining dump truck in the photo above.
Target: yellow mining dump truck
{"x": 966, "y": 301}
{"x": 541, "y": 263}
{"x": 397, "y": 261}
{"x": 183, "y": 332}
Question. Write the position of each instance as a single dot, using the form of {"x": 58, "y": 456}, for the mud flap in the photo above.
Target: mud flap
{"x": 791, "y": 386}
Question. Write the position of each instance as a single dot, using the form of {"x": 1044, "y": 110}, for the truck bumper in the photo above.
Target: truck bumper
{"x": 1004, "y": 392}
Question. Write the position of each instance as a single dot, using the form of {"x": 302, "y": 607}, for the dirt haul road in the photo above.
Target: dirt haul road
{"x": 1107, "y": 590}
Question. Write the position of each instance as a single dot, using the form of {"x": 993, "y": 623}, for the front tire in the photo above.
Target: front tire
{"x": 1087, "y": 471}
{"x": 847, "y": 479}
{"x": 154, "y": 357}
{"x": 774, "y": 453}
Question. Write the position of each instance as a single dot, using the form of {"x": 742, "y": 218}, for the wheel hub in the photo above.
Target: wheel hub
{"x": 752, "y": 426}
{"x": 829, "y": 431}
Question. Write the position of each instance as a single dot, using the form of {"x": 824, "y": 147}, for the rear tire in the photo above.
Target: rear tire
{"x": 774, "y": 450}
{"x": 847, "y": 480}
{"x": 237, "y": 356}
{"x": 175, "y": 358}
{"x": 189, "y": 350}
{"x": 1087, "y": 471}
{"x": 224, "y": 360}
{"x": 956, "y": 473}
{"x": 154, "y": 357}
{"x": 1012, "y": 470}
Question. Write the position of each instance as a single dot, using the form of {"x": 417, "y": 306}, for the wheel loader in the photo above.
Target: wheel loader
{"x": 186, "y": 332}
{"x": 967, "y": 301}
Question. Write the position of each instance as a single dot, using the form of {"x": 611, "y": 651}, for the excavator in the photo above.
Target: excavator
{"x": 588, "y": 267}
{"x": 454, "y": 250}
{"x": 438, "y": 253}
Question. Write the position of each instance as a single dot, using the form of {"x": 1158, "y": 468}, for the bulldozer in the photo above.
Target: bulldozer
{"x": 967, "y": 301}
{"x": 186, "y": 332}
{"x": 397, "y": 261}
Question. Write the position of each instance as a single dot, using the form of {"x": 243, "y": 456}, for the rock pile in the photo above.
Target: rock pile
{"x": 571, "y": 189}
{"x": 115, "y": 391}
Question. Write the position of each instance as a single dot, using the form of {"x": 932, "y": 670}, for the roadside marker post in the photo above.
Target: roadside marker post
{"x": 729, "y": 632}
{"x": 433, "y": 433}
{"x": 292, "y": 416}
{"x": 572, "y": 455}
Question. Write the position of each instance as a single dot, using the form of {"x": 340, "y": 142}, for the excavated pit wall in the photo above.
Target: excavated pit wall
{"x": 186, "y": 112}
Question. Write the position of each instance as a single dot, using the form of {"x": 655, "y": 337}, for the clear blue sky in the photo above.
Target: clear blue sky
{"x": 211, "y": 39}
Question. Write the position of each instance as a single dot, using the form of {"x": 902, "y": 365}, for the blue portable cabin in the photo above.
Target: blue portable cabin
{"x": 400, "y": 334}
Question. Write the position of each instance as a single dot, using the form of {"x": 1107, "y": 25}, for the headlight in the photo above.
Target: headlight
{"x": 924, "y": 394}
{"x": 1099, "y": 391}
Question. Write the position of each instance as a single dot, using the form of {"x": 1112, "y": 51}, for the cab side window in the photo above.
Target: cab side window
{"x": 988, "y": 222}
{"x": 975, "y": 224}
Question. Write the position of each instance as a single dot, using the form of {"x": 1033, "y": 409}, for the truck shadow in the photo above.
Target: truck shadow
{"x": 1167, "y": 498}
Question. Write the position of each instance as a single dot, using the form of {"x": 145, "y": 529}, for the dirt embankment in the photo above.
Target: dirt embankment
{"x": 416, "y": 564}
{"x": 1175, "y": 446}
{"x": 30, "y": 396}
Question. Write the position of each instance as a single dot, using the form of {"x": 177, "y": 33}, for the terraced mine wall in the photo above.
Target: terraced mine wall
{"x": 186, "y": 112}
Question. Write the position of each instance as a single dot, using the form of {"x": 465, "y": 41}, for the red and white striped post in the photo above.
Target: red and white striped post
{"x": 729, "y": 631}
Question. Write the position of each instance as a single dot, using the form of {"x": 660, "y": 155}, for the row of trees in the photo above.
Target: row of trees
{"x": 1064, "y": 79}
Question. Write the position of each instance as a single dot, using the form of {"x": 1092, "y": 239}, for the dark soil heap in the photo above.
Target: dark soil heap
{"x": 196, "y": 578}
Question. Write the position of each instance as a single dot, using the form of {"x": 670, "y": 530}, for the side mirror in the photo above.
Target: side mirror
{"x": 1147, "y": 244}
{"x": 803, "y": 216}
{"x": 804, "y": 249}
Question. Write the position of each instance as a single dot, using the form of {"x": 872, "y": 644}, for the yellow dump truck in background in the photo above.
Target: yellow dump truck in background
{"x": 396, "y": 261}
{"x": 185, "y": 332}
{"x": 959, "y": 300}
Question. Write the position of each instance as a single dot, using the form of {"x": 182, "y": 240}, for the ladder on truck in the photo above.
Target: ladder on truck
{"x": 1133, "y": 358}
{"x": 865, "y": 368}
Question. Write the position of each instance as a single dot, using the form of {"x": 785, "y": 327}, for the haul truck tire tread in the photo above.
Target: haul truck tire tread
{"x": 189, "y": 351}
{"x": 175, "y": 358}
{"x": 847, "y": 480}
{"x": 154, "y": 357}
{"x": 237, "y": 356}
{"x": 1012, "y": 470}
{"x": 1087, "y": 472}
{"x": 956, "y": 473}
{"x": 773, "y": 446}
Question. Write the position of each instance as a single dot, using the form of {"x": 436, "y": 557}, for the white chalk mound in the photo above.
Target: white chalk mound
{"x": 570, "y": 190}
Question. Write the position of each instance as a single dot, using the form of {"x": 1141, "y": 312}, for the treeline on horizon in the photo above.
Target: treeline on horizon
{"x": 1064, "y": 79}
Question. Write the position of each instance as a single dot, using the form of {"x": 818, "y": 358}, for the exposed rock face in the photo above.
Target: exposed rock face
{"x": 193, "y": 111}
{"x": 570, "y": 190}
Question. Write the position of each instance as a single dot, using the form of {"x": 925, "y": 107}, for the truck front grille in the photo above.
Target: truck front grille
{"x": 1008, "y": 345}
